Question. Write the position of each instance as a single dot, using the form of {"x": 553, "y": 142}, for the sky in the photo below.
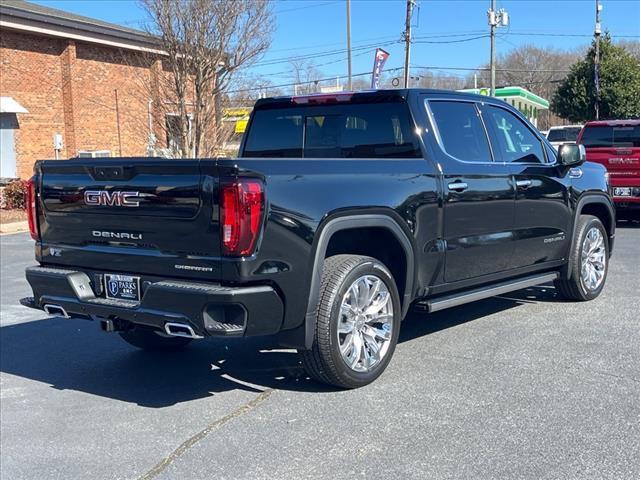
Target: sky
{"x": 445, "y": 32}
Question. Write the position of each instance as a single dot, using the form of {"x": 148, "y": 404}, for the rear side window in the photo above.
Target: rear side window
{"x": 461, "y": 131}
{"x": 611, "y": 136}
{"x": 378, "y": 130}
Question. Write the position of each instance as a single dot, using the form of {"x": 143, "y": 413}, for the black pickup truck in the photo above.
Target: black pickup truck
{"x": 340, "y": 213}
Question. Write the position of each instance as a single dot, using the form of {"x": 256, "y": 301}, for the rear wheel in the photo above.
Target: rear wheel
{"x": 357, "y": 322}
{"x": 589, "y": 260}
{"x": 151, "y": 339}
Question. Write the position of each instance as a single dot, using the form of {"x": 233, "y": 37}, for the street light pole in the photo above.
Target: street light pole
{"x": 407, "y": 42}
{"x": 349, "y": 82}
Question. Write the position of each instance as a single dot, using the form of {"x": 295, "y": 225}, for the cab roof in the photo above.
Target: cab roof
{"x": 614, "y": 123}
{"x": 364, "y": 96}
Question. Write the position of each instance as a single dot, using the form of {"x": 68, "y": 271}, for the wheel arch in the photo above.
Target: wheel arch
{"x": 600, "y": 206}
{"x": 360, "y": 222}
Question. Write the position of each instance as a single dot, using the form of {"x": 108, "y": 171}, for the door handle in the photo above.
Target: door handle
{"x": 523, "y": 184}
{"x": 458, "y": 186}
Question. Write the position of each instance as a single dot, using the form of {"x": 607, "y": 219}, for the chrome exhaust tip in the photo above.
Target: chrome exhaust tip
{"x": 55, "y": 310}
{"x": 180, "y": 330}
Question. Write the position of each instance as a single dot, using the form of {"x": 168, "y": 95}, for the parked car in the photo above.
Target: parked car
{"x": 616, "y": 145}
{"x": 341, "y": 212}
{"x": 563, "y": 134}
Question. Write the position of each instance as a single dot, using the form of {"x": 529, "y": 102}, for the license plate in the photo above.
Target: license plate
{"x": 622, "y": 191}
{"x": 123, "y": 287}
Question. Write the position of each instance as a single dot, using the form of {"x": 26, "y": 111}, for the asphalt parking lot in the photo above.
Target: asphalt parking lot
{"x": 521, "y": 386}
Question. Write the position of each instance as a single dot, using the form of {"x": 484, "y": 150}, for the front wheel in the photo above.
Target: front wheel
{"x": 357, "y": 322}
{"x": 589, "y": 261}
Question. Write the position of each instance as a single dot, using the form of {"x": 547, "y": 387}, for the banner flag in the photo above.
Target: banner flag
{"x": 378, "y": 65}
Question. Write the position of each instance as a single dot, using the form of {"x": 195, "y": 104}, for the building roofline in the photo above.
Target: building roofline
{"x": 37, "y": 19}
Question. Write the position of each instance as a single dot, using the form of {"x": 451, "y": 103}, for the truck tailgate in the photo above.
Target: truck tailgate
{"x": 153, "y": 216}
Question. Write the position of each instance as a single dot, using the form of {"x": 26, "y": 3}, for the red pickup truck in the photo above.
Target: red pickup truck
{"x": 616, "y": 145}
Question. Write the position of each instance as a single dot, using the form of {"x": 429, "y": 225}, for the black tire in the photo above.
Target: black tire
{"x": 574, "y": 288}
{"x": 323, "y": 362}
{"x": 153, "y": 340}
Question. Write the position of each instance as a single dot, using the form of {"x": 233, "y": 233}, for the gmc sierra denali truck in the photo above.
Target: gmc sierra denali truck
{"x": 340, "y": 212}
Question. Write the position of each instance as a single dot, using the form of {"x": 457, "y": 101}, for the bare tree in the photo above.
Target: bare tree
{"x": 631, "y": 46}
{"x": 249, "y": 88}
{"x": 537, "y": 69}
{"x": 204, "y": 43}
{"x": 444, "y": 81}
{"x": 305, "y": 75}
{"x": 361, "y": 83}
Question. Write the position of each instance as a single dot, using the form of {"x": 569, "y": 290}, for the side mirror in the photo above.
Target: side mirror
{"x": 571, "y": 154}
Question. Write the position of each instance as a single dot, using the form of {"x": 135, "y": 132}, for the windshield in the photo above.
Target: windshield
{"x": 611, "y": 136}
{"x": 563, "y": 134}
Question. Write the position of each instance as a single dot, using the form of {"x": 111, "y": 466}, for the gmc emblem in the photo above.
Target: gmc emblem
{"x": 112, "y": 199}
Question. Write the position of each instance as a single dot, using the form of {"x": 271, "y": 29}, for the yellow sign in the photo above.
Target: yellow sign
{"x": 241, "y": 125}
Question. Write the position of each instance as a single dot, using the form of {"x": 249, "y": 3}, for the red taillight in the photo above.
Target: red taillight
{"x": 31, "y": 207}
{"x": 241, "y": 210}
{"x": 322, "y": 98}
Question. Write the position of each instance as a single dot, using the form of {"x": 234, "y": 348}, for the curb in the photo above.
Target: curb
{"x": 14, "y": 227}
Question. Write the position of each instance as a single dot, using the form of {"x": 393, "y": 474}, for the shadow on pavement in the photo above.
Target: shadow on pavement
{"x": 76, "y": 355}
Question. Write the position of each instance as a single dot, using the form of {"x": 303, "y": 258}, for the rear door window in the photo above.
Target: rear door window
{"x": 376, "y": 130}
{"x": 461, "y": 131}
{"x": 611, "y": 136}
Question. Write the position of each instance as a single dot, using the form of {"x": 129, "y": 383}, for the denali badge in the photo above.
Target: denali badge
{"x": 112, "y": 199}
{"x": 128, "y": 236}
{"x": 195, "y": 268}
{"x": 557, "y": 238}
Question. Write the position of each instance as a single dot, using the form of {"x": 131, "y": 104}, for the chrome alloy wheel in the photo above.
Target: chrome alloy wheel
{"x": 365, "y": 323}
{"x": 593, "y": 259}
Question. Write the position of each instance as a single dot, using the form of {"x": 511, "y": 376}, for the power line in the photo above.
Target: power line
{"x": 319, "y": 80}
{"x": 304, "y": 7}
{"x": 541, "y": 34}
{"x": 452, "y": 41}
{"x": 332, "y": 62}
{"x": 425, "y": 67}
{"x": 307, "y": 47}
{"x": 487, "y": 69}
{"x": 328, "y": 53}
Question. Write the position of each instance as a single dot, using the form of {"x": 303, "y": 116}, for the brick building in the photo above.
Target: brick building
{"x": 71, "y": 85}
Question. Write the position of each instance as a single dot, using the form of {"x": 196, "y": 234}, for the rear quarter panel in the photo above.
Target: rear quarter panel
{"x": 303, "y": 194}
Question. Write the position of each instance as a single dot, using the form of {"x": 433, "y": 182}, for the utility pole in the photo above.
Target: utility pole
{"x": 492, "y": 25}
{"x": 596, "y": 60}
{"x": 349, "y": 83}
{"x": 407, "y": 41}
{"x": 496, "y": 18}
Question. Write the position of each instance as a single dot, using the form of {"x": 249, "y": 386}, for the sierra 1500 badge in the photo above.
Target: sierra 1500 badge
{"x": 112, "y": 199}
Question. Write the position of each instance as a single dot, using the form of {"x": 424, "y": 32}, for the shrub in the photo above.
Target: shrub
{"x": 14, "y": 195}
